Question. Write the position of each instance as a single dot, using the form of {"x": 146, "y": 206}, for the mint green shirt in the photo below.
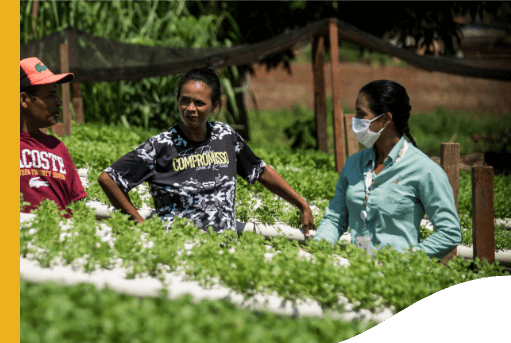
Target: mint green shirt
{"x": 402, "y": 192}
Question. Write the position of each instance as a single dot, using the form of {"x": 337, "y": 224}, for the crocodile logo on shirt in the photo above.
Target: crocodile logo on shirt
{"x": 36, "y": 182}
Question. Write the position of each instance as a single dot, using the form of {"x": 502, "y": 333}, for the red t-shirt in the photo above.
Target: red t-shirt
{"x": 47, "y": 172}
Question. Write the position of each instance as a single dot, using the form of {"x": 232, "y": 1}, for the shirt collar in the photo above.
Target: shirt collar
{"x": 392, "y": 155}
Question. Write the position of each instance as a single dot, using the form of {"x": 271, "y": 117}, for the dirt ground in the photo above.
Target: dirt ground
{"x": 427, "y": 90}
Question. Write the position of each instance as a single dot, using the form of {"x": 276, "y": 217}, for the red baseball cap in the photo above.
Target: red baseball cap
{"x": 33, "y": 72}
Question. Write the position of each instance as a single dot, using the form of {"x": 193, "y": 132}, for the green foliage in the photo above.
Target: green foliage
{"x": 501, "y": 202}
{"x": 428, "y": 129}
{"x": 23, "y": 203}
{"x": 424, "y": 232}
{"x": 311, "y": 173}
{"x": 94, "y": 190}
{"x": 43, "y": 244}
{"x": 413, "y": 275}
{"x": 81, "y": 240}
{"x": 303, "y": 133}
{"x": 465, "y": 196}
{"x": 245, "y": 204}
{"x": 394, "y": 279}
{"x": 81, "y": 313}
{"x": 150, "y": 102}
{"x": 267, "y": 128}
{"x": 502, "y": 237}
{"x": 285, "y": 127}
{"x": 52, "y": 313}
{"x": 501, "y": 199}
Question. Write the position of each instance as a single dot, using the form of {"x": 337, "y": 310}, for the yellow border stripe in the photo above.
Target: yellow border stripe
{"x": 10, "y": 233}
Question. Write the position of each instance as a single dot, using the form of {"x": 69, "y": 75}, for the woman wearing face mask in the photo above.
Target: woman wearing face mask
{"x": 384, "y": 191}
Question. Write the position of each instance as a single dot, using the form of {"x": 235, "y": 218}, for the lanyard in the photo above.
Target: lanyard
{"x": 369, "y": 182}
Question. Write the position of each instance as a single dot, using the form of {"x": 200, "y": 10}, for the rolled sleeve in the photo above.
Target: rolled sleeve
{"x": 135, "y": 167}
{"x": 437, "y": 198}
{"x": 249, "y": 166}
{"x": 335, "y": 220}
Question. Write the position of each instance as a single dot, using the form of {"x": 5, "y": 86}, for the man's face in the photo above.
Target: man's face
{"x": 43, "y": 110}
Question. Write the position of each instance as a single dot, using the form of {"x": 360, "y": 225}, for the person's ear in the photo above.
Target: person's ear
{"x": 216, "y": 106}
{"x": 24, "y": 100}
{"x": 387, "y": 119}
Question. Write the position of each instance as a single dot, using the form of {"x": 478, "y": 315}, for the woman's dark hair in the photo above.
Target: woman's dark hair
{"x": 389, "y": 96}
{"x": 206, "y": 75}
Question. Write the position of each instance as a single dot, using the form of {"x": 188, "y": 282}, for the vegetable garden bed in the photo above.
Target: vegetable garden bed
{"x": 341, "y": 282}
{"x": 237, "y": 269}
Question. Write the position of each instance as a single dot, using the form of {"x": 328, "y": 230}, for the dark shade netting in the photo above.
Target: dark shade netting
{"x": 94, "y": 58}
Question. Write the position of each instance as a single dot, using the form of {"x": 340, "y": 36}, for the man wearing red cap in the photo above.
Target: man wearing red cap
{"x": 46, "y": 169}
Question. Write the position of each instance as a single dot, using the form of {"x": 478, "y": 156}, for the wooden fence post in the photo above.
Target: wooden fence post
{"x": 483, "y": 221}
{"x": 66, "y": 93}
{"x": 351, "y": 141}
{"x": 77, "y": 100}
{"x": 318, "y": 72}
{"x": 340, "y": 151}
{"x": 450, "y": 162}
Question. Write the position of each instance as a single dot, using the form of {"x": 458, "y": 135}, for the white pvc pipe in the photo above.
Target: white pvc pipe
{"x": 504, "y": 257}
{"x": 269, "y": 231}
{"x": 273, "y": 230}
{"x": 177, "y": 286}
{"x": 104, "y": 211}
{"x": 83, "y": 172}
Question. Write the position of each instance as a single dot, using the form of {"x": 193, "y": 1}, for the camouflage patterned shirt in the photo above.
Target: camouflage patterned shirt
{"x": 195, "y": 180}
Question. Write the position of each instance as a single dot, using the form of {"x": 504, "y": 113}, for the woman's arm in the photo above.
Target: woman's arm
{"x": 126, "y": 173}
{"x": 335, "y": 220}
{"x": 277, "y": 185}
{"x": 119, "y": 199}
{"x": 436, "y": 195}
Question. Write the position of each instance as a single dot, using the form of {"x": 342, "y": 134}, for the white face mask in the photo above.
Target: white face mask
{"x": 362, "y": 133}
